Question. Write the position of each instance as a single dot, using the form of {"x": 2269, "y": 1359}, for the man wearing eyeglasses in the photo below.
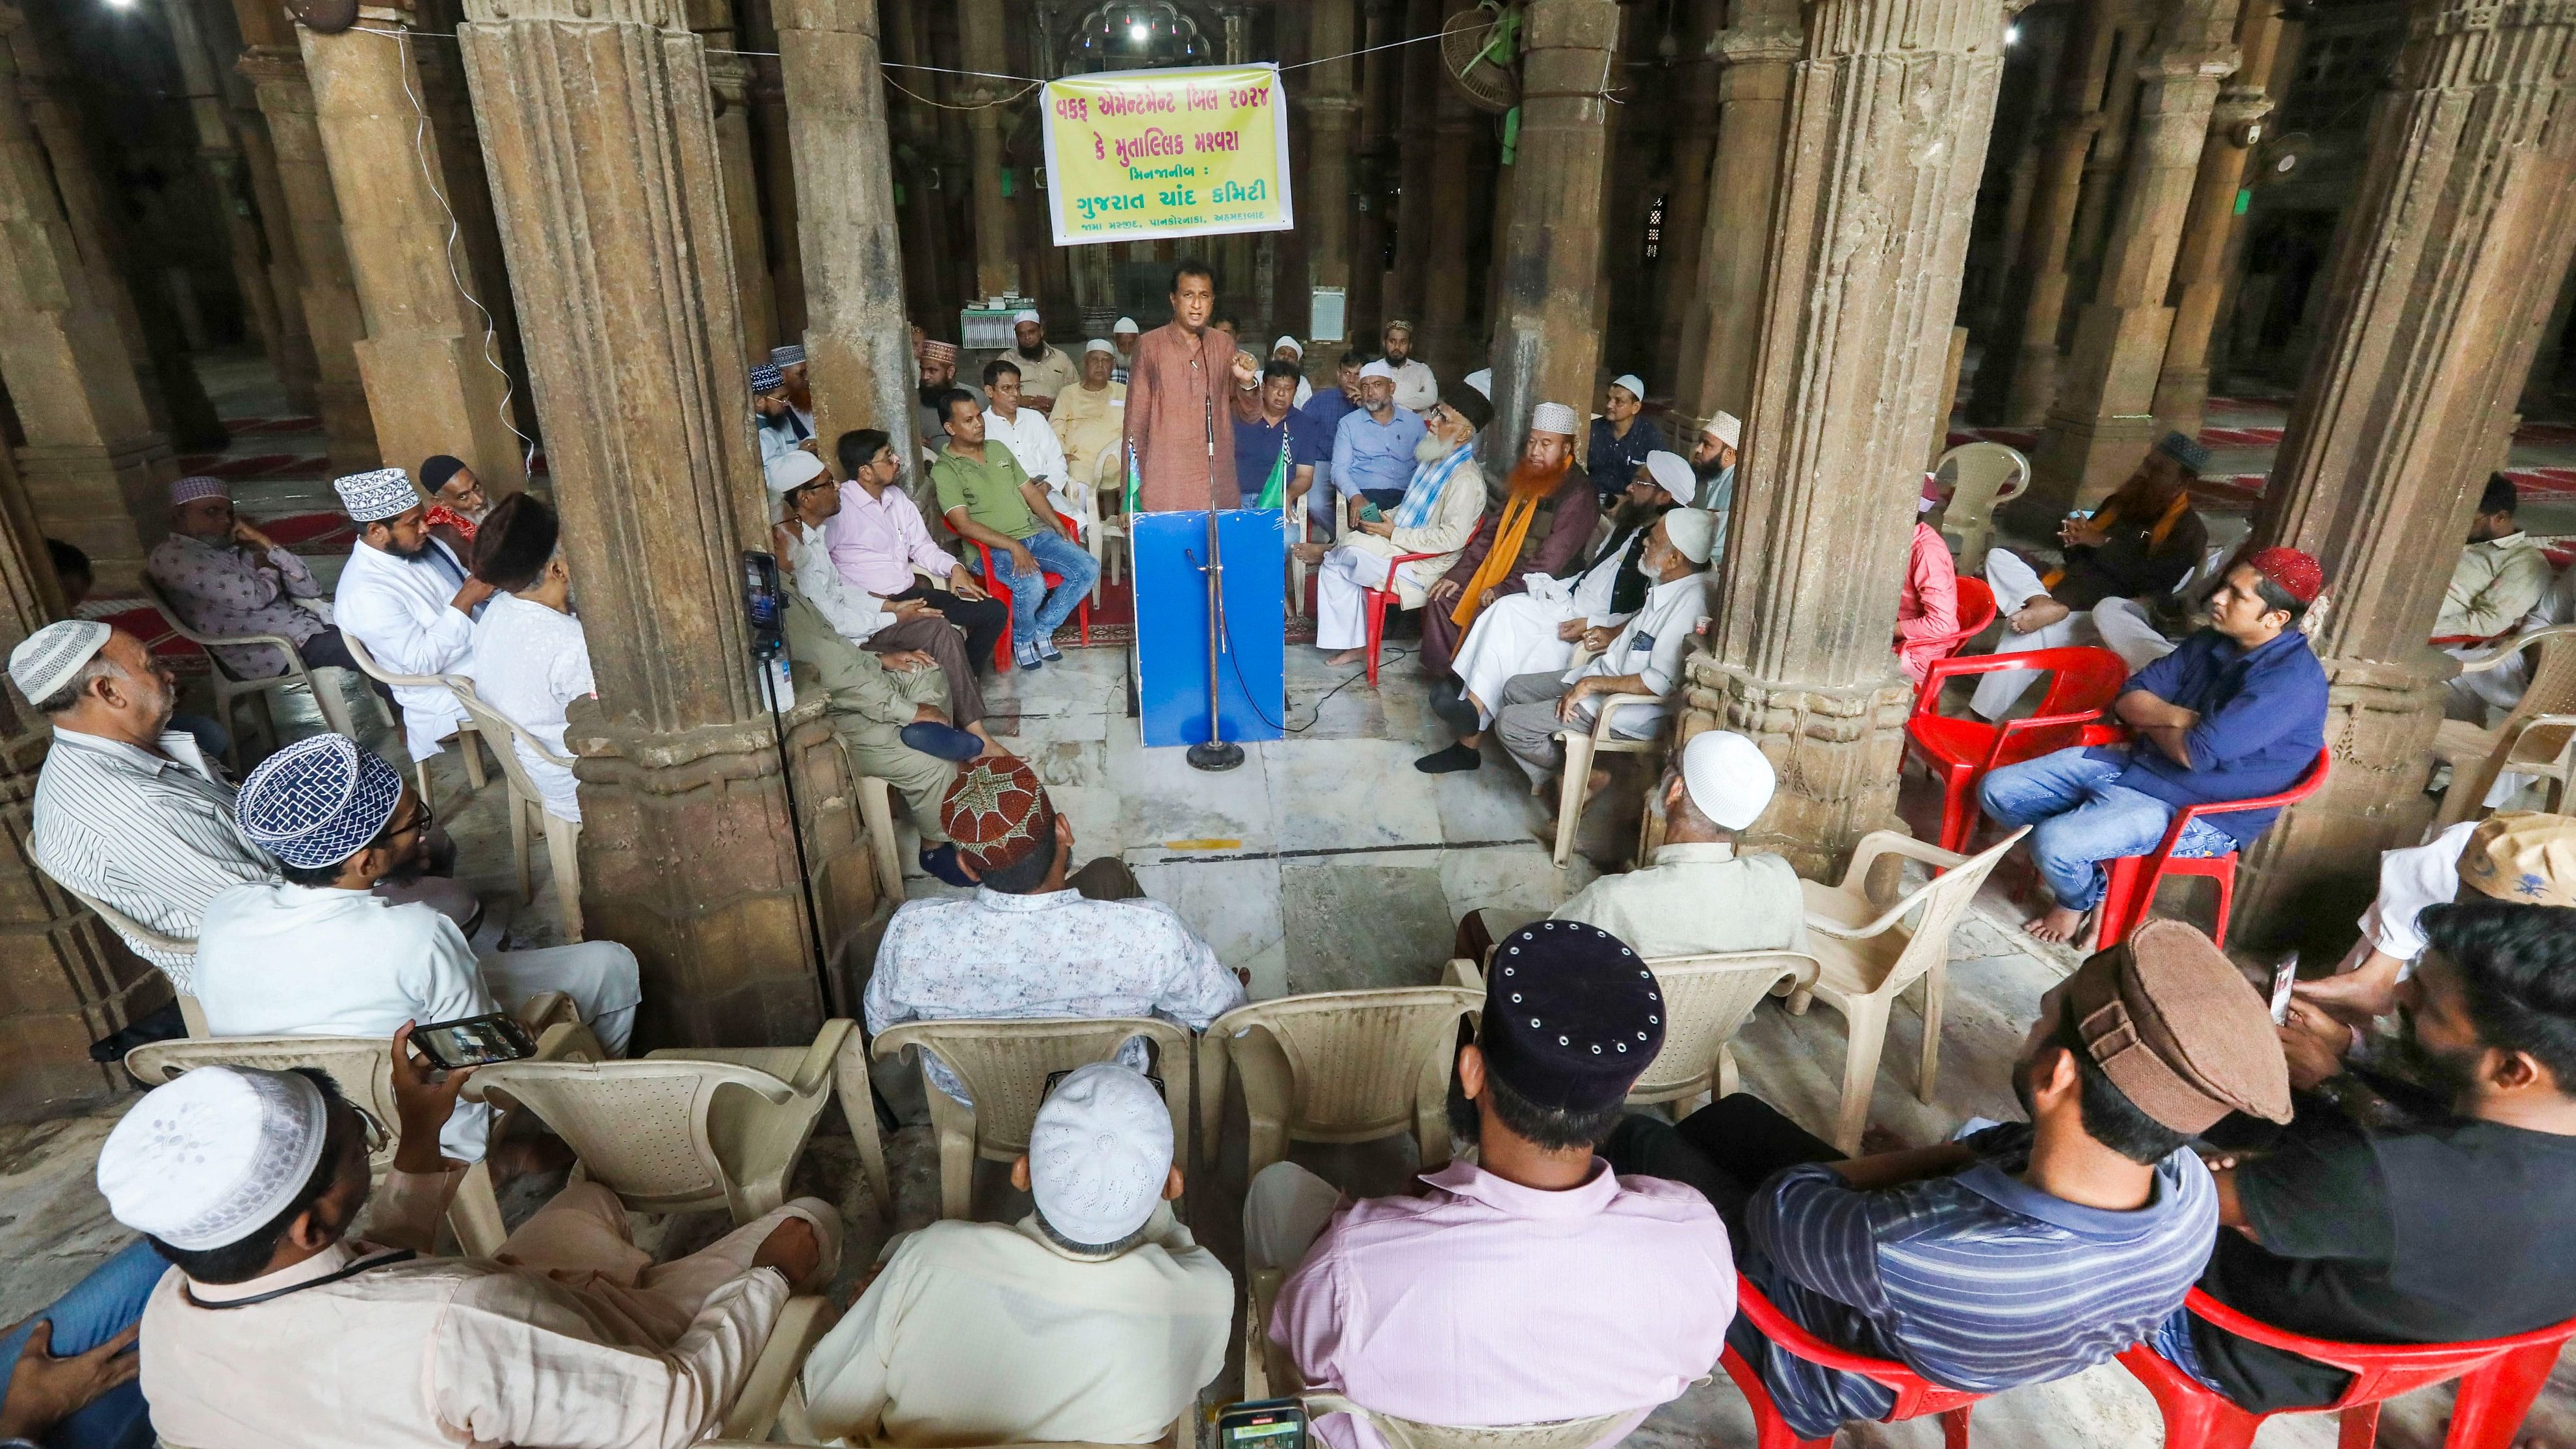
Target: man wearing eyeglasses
{"x": 1434, "y": 517}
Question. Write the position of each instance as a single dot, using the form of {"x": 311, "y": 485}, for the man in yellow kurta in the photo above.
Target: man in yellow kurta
{"x": 1089, "y": 419}
{"x": 1442, "y": 504}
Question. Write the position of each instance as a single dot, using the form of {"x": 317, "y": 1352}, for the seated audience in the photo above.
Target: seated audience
{"x": 1265, "y": 465}
{"x": 131, "y": 812}
{"x": 408, "y": 598}
{"x": 456, "y": 501}
{"x": 1123, "y": 335}
{"x": 1376, "y": 446}
{"x": 2500, "y": 574}
{"x": 1436, "y": 515}
{"x": 938, "y": 379}
{"x": 531, "y": 657}
{"x": 2145, "y": 629}
{"x": 2394, "y": 1212}
{"x": 774, "y": 423}
{"x": 1090, "y": 421}
{"x": 1621, "y": 438}
{"x": 2237, "y": 713}
{"x": 1700, "y": 896}
{"x": 1314, "y": 431}
{"x": 987, "y": 498}
{"x": 2472, "y": 696}
{"x": 69, "y": 1369}
{"x": 1644, "y": 657}
{"x": 1713, "y": 462}
{"x": 877, "y": 540}
{"x": 1024, "y": 430}
{"x": 227, "y": 579}
{"x": 1038, "y": 939}
{"x": 1293, "y": 352}
{"x": 318, "y": 953}
{"x": 1927, "y": 611}
{"x": 1532, "y": 1284}
{"x": 2014, "y": 1255}
{"x": 1109, "y": 1314}
{"x": 789, "y": 359}
{"x": 292, "y": 1323}
{"x": 1416, "y": 389}
{"x": 2518, "y": 856}
{"x": 1535, "y": 631}
{"x": 1045, "y": 373}
{"x": 1546, "y": 517}
{"x": 2141, "y": 540}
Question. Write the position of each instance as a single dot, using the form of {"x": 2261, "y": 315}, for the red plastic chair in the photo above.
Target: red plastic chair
{"x": 1976, "y": 611}
{"x": 2134, "y": 878}
{"x": 1959, "y": 750}
{"x": 1375, "y": 602}
{"x": 2499, "y": 1378}
{"x": 1916, "y": 1396}
{"x": 994, "y": 586}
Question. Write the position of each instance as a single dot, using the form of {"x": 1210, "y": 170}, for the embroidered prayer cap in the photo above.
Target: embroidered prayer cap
{"x": 195, "y": 486}
{"x": 790, "y": 471}
{"x": 1291, "y": 343}
{"x": 1468, "y": 403}
{"x": 1395, "y": 324}
{"x": 1672, "y": 472}
{"x": 46, "y": 660}
{"x": 1027, "y": 314}
{"x": 437, "y": 468}
{"x": 1124, "y": 324}
{"x": 2299, "y": 574}
{"x": 766, "y": 378}
{"x": 2523, "y": 856}
{"x": 318, "y": 801}
{"x": 1377, "y": 369}
{"x": 997, "y": 812}
{"x": 1572, "y": 1016}
{"x": 1693, "y": 531}
{"x": 377, "y": 494}
{"x": 934, "y": 350}
{"x": 2187, "y": 451}
{"x": 213, "y": 1156}
{"x": 1099, "y": 344}
{"x": 1635, "y": 385}
{"x": 1727, "y": 428}
{"x": 787, "y": 356}
{"x": 1100, "y": 1154}
{"x": 1728, "y": 778}
{"x": 1549, "y": 417}
{"x": 2179, "y": 1030}
{"x": 1482, "y": 380}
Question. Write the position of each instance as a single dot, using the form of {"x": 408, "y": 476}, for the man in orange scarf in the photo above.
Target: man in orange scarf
{"x": 1546, "y": 519}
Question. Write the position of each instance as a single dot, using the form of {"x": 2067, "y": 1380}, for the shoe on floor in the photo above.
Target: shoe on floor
{"x": 1451, "y": 708}
{"x": 1027, "y": 657}
{"x": 1456, "y": 757}
{"x": 946, "y": 742}
{"x": 1047, "y": 650}
{"x": 941, "y": 861}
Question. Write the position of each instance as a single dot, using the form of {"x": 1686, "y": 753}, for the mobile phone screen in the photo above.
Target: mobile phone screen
{"x": 1265, "y": 1424}
{"x": 2283, "y": 976}
{"x": 474, "y": 1041}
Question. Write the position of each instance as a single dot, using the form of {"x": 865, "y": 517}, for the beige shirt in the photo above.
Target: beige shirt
{"x": 2494, "y": 584}
{"x": 443, "y": 1352}
{"x": 1453, "y": 521}
{"x": 1089, "y": 424}
{"x": 1698, "y": 899}
{"x": 1048, "y": 377}
{"x": 977, "y": 1333}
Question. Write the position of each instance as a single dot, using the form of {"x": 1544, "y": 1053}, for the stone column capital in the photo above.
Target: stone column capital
{"x": 1757, "y": 45}
{"x": 268, "y": 64}
{"x": 2216, "y": 63}
{"x": 2236, "y": 107}
{"x": 659, "y": 14}
{"x": 729, "y": 76}
{"x": 1328, "y": 105}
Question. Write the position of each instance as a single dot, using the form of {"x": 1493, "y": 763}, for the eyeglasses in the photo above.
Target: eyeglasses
{"x": 419, "y": 823}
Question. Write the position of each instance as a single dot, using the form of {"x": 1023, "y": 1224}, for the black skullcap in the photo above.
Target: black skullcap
{"x": 1467, "y": 403}
{"x": 514, "y": 540}
{"x": 1572, "y": 1016}
{"x": 437, "y": 468}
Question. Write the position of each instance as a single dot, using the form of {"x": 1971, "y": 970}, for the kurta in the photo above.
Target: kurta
{"x": 225, "y": 591}
{"x": 1555, "y": 539}
{"x": 401, "y": 610}
{"x": 529, "y": 663}
{"x": 1928, "y": 609}
{"x": 1176, "y": 402}
{"x": 1088, "y": 426}
{"x": 1051, "y": 375}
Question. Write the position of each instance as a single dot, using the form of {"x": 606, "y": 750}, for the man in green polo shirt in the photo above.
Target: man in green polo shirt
{"x": 988, "y": 499}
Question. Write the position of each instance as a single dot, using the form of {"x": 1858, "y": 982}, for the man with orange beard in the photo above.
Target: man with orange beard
{"x": 1546, "y": 519}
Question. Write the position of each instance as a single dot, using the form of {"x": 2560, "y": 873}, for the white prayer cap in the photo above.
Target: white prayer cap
{"x": 787, "y": 354}
{"x": 195, "y": 486}
{"x": 1673, "y": 471}
{"x": 46, "y": 660}
{"x": 207, "y": 1160}
{"x": 1693, "y": 531}
{"x": 1377, "y": 369}
{"x": 1482, "y": 380}
{"x": 318, "y": 801}
{"x": 1727, "y": 428}
{"x": 792, "y": 470}
{"x": 1027, "y": 314}
{"x": 1291, "y": 343}
{"x": 1100, "y": 1153}
{"x": 380, "y": 494}
{"x": 1729, "y": 779}
{"x": 1547, "y": 417}
{"x": 1099, "y": 344}
{"x": 1124, "y": 324}
{"x": 1635, "y": 385}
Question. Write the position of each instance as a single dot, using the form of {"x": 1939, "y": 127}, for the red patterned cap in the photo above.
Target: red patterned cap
{"x": 996, "y": 811}
{"x": 2297, "y": 573}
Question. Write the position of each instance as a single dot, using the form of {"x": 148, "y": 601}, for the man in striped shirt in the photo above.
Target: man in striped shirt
{"x": 2018, "y": 1254}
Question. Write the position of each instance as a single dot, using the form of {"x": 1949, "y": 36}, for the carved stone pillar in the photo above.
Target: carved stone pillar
{"x": 2103, "y": 168}
{"x": 855, "y": 334}
{"x": 1888, "y": 119}
{"x": 926, "y": 258}
{"x": 1328, "y": 107}
{"x": 299, "y": 371}
{"x": 601, "y": 145}
{"x": 1686, "y": 206}
{"x": 2464, "y": 224}
{"x": 1547, "y": 340}
{"x": 2102, "y": 422}
{"x": 2051, "y": 228}
{"x": 731, "y": 75}
{"x": 1722, "y": 324}
{"x": 997, "y": 235}
{"x": 2209, "y": 233}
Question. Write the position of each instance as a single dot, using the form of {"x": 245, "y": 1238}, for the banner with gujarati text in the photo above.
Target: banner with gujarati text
{"x": 1138, "y": 154}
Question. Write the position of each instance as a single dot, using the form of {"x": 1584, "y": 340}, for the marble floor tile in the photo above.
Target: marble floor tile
{"x": 1512, "y": 884}
{"x": 1162, "y": 801}
{"x": 1234, "y": 905}
{"x": 1349, "y": 795}
{"x": 1489, "y": 803}
{"x": 1364, "y": 920}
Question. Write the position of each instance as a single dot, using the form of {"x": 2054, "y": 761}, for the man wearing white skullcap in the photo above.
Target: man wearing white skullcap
{"x": 227, "y": 579}
{"x": 1374, "y": 445}
{"x": 408, "y": 598}
{"x": 1700, "y": 896}
{"x": 318, "y": 953}
{"x": 1540, "y": 529}
{"x": 1123, "y": 335}
{"x": 1482, "y": 380}
{"x": 1643, "y": 658}
{"x": 1293, "y": 352}
{"x": 797, "y": 379}
{"x": 1089, "y": 418}
{"x": 1109, "y": 1315}
{"x": 309, "y": 1310}
{"x": 1621, "y": 438}
{"x": 1714, "y": 461}
{"x": 1415, "y": 387}
{"x": 1045, "y": 372}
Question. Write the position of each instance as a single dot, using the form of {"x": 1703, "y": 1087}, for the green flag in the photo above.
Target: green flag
{"x": 1135, "y": 485}
{"x": 1274, "y": 493}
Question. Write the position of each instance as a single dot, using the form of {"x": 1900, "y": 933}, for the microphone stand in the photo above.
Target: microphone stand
{"x": 1215, "y": 752}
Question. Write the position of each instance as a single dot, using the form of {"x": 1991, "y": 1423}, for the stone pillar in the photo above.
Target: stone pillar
{"x": 2103, "y": 168}
{"x": 1418, "y": 166}
{"x": 997, "y": 235}
{"x": 601, "y": 146}
{"x": 93, "y": 465}
{"x": 2208, "y": 238}
{"x": 2102, "y": 421}
{"x": 429, "y": 383}
{"x": 2032, "y": 383}
{"x": 927, "y": 263}
{"x": 299, "y": 371}
{"x": 855, "y": 334}
{"x": 221, "y": 152}
{"x": 1694, "y": 144}
{"x": 1721, "y": 325}
{"x": 2540, "y": 388}
{"x": 1328, "y": 107}
{"x": 731, "y": 75}
{"x": 1888, "y": 119}
{"x": 2461, "y": 231}
{"x": 1546, "y": 339}
{"x": 1447, "y": 342}
{"x": 1376, "y": 145}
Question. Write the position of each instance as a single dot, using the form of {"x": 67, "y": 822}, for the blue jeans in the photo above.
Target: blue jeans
{"x": 1035, "y": 612}
{"x": 2083, "y": 818}
{"x": 99, "y": 1307}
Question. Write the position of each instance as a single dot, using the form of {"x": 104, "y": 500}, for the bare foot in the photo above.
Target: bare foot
{"x": 2059, "y": 924}
{"x": 1347, "y": 656}
{"x": 1308, "y": 553}
{"x": 992, "y": 748}
{"x": 1595, "y": 783}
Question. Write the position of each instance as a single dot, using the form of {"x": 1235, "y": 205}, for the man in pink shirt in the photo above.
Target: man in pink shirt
{"x": 878, "y": 538}
{"x": 1927, "y": 611}
{"x": 1534, "y": 1285}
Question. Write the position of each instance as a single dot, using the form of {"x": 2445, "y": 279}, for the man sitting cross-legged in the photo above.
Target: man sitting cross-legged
{"x": 1436, "y": 516}
{"x": 877, "y": 540}
{"x": 1534, "y": 1284}
{"x": 318, "y": 954}
{"x": 2237, "y": 713}
{"x": 290, "y": 1323}
{"x": 1545, "y": 521}
{"x": 2018, "y": 1254}
{"x": 1109, "y": 1316}
{"x": 988, "y": 499}
{"x": 226, "y": 578}
{"x": 2395, "y": 1212}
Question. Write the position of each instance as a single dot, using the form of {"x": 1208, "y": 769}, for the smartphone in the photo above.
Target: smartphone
{"x": 474, "y": 1041}
{"x": 1262, "y": 1424}
{"x": 2283, "y": 977}
{"x": 763, "y": 608}
{"x": 1370, "y": 513}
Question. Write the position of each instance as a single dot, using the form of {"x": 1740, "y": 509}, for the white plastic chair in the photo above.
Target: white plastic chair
{"x": 1338, "y": 1066}
{"x": 1867, "y": 955}
{"x": 1306, "y": 534}
{"x": 1983, "y": 476}
{"x": 135, "y": 931}
{"x": 1581, "y": 745}
{"x": 1707, "y": 1000}
{"x": 527, "y": 804}
{"x": 231, "y": 688}
{"x": 1005, "y": 1064}
{"x": 465, "y": 731}
{"x": 2538, "y": 737}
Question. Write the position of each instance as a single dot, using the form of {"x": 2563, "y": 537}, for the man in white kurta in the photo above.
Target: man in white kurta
{"x": 407, "y": 598}
{"x": 1031, "y": 439}
{"x": 1442, "y": 504}
{"x": 531, "y": 655}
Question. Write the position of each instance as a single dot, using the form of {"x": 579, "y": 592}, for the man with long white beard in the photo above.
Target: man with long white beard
{"x": 1546, "y": 518}
{"x": 1436, "y": 516}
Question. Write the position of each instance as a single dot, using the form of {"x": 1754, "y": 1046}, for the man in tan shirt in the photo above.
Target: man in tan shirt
{"x": 1090, "y": 418}
{"x": 1699, "y": 897}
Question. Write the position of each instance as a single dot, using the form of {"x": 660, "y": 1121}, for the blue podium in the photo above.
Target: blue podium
{"x": 1170, "y": 552}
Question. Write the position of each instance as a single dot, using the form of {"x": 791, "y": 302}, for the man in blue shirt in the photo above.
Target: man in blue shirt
{"x": 2238, "y": 712}
{"x": 1373, "y": 447}
{"x": 1311, "y": 430}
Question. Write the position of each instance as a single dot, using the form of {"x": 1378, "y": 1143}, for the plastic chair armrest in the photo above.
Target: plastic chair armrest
{"x": 2011, "y": 727}
{"x": 1797, "y": 1342}
{"x": 1601, "y": 721}
{"x": 800, "y": 1325}
{"x": 1463, "y": 972}
{"x": 1891, "y": 842}
{"x": 2566, "y": 747}
{"x": 817, "y": 1066}
{"x": 547, "y": 1009}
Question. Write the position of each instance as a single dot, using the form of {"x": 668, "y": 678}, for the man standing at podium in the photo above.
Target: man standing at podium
{"x": 1180, "y": 412}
